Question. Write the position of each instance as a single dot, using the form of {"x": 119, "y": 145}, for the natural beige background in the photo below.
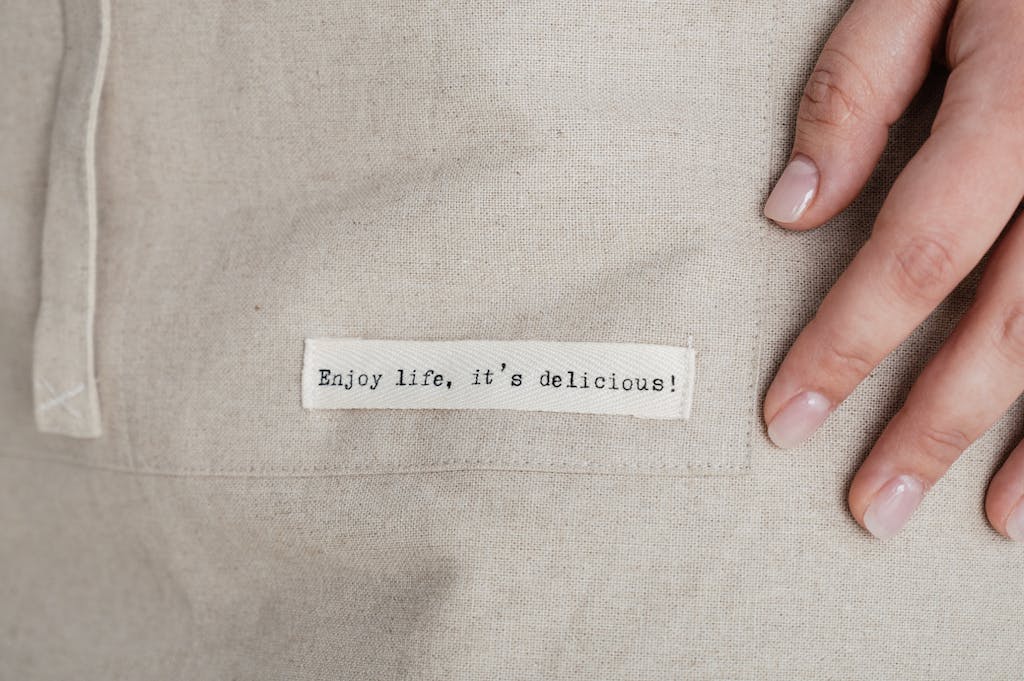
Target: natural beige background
{"x": 555, "y": 170}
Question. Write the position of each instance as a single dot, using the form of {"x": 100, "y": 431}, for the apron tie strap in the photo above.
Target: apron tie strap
{"x": 63, "y": 367}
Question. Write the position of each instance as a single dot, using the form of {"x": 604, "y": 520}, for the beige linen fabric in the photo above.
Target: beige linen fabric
{"x": 64, "y": 376}
{"x": 269, "y": 172}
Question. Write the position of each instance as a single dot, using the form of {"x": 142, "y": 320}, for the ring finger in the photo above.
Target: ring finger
{"x": 974, "y": 378}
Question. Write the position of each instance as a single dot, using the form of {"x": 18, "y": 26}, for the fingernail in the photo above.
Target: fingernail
{"x": 893, "y": 505}
{"x": 1015, "y": 523}
{"x": 793, "y": 192}
{"x": 798, "y": 420}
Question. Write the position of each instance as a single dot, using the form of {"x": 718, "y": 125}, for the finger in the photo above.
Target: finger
{"x": 942, "y": 214}
{"x": 1004, "y": 504}
{"x": 967, "y": 386}
{"x": 871, "y": 67}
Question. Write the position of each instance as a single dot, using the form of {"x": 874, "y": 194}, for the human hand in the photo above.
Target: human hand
{"x": 944, "y": 212}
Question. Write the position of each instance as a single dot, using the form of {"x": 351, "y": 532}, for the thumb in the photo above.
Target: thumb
{"x": 872, "y": 65}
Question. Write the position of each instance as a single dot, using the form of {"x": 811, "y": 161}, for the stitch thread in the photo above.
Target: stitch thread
{"x": 61, "y": 399}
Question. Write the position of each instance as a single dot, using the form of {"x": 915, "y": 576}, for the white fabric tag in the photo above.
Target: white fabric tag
{"x": 646, "y": 381}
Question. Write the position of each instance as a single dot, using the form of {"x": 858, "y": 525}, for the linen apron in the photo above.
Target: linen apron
{"x": 192, "y": 190}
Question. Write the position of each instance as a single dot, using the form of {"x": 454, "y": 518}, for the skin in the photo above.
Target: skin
{"x": 954, "y": 201}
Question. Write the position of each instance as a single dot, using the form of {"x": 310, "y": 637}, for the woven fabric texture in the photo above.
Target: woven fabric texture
{"x": 540, "y": 170}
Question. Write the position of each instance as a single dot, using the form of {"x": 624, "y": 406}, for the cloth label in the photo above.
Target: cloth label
{"x": 645, "y": 381}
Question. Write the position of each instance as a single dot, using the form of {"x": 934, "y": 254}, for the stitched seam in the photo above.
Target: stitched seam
{"x": 769, "y": 114}
{"x": 497, "y": 464}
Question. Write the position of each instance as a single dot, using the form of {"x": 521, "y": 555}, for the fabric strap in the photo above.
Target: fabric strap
{"x": 64, "y": 378}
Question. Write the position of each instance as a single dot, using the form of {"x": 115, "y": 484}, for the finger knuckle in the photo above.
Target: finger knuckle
{"x": 924, "y": 268}
{"x": 841, "y": 359}
{"x": 834, "y": 93}
{"x": 1010, "y": 340}
{"x": 942, "y": 444}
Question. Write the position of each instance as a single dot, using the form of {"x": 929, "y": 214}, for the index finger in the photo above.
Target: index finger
{"x": 945, "y": 210}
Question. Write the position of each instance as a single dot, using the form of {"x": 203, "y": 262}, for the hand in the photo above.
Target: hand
{"x": 944, "y": 212}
